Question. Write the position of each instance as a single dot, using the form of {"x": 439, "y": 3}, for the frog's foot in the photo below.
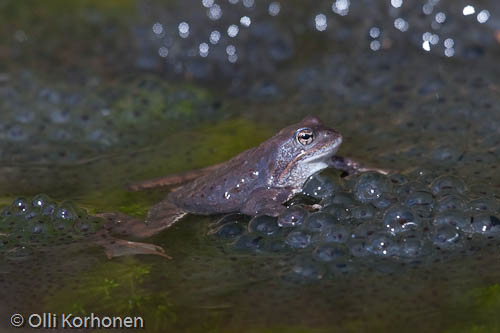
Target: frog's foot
{"x": 122, "y": 224}
{"x": 118, "y": 223}
{"x": 352, "y": 167}
{"x": 115, "y": 247}
{"x": 160, "y": 217}
{"x": 313, "y": 208}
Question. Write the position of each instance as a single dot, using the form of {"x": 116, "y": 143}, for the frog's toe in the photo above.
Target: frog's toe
{"x": 114, "y": 247}
{"x": 350, "y": 166}
{"x": 161, "y": 216}
{"x": 119, "y": 223}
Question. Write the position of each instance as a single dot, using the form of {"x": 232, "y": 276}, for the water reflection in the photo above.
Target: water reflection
{"x": 374, "y": 32}
{"x": 274, "y": 8}
{"x": 440, "y": 17}
{"x": 341, "y": 7}
{"x": 245, "y": 21}
{"x": 483, "y": 16}
{"x": 468, "y": 10}
{"x": 214, "y": 12}
{"x": 214, "y": 37}
{"x": 401, "y": 24}
{"x": 183, "y": 29}
{"x": 396, "y": 3}
{"x": 320, "y": 22}
{"x": 278, "y": 38}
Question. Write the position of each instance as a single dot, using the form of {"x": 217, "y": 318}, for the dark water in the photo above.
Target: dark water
{"x": 95, "y": 95}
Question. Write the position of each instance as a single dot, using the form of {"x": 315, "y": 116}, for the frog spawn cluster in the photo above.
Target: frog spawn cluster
{"x": 47, "y": 122}
{"x": 39, "y": 220}
{"x": 402, "y": 218}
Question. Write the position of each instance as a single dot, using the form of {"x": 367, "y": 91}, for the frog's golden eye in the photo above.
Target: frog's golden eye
{"x": 305, "y": 136}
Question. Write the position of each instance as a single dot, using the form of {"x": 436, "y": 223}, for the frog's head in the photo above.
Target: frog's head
{"x": 303, "y": 150}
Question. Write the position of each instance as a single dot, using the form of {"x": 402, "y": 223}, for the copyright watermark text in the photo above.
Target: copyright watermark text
{"x": 68, "y": 320}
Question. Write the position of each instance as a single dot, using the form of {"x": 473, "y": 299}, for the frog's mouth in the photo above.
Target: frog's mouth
{"x": 316, "y": 162}
{"x": 322, "y": 153}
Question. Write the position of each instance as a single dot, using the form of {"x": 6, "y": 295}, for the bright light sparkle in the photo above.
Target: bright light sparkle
{"x": 163, "y": 52}
{"x": 468, "y": 10}
{"x": 449, "y": 52}
{"x": 203, "y": 49}
{"x": 375, "y": 45}
{"x": 157, "y": 28}
{"x": 396, "y": 3}
{"x": 341, "y": 7}
{"x": 230, "y": 50}
{"x": 214, "y": 13}
{"x": 427, "y": 9}
{"x": 434, "y": 39}
{"x": 274, "y": 8}
{"x": 320, "y": 21}
{"x": 233, "y": 30}
{"x": 374, "y": 32}
{"x": 183, "y": 29}
{"x": 401, "y": 24}
{"x": 207, "y": 3}
{"x": 248, "y": 3}
{"x": 232, "y": 58}
{"x": 245, "y": 21}
{"x": 214, "y": 37}
{"x": 344, "y": 4}
{"x": 440, "y": 17}
{"x": 426, "y": 46}
{"x": 483, "y": 16}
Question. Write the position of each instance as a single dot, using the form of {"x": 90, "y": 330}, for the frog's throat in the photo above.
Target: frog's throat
{"x": 289, "y": 167}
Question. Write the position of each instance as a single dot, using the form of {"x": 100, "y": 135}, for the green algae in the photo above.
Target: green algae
{"x": 146, "y": 286}
{"x": 206, "y": 145}
{"x": 55, "y": 16}
{"x": 140, "y": 103}
{"x": 480, "y": 308}
{"x": 118, "y": 287}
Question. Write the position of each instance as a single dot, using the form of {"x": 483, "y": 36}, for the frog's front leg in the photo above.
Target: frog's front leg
{"x": 352, "y": 167}
{"x": 267, "y": 201}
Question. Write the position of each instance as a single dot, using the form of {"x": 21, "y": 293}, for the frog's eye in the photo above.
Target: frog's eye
{"x": 305, "y": 136}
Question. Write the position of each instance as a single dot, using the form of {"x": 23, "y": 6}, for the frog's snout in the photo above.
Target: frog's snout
{"x": 339, "y": 139}
{"x": 334, "y": 137}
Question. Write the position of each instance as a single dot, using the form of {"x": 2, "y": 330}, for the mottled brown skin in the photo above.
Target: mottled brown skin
{"x": 261, "y": 179}
{"x": 257, "y": 181}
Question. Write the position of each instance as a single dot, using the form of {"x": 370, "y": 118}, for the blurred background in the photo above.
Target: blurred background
{"x": 97, "y": 94}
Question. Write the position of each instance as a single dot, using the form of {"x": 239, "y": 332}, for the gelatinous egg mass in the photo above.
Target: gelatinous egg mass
{"x": 41, "y": 221}
{"x": 403, "y": 217}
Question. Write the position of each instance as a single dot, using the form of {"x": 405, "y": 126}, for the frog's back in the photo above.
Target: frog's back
{"x": 225, "y": 189}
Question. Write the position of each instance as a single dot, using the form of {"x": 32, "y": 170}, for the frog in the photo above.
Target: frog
{"x": 258, "y": 181}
